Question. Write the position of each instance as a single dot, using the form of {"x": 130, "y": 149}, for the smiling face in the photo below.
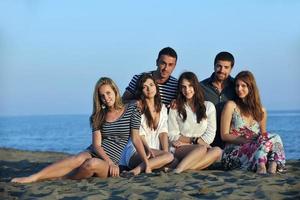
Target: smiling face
{"x": 149, "y": 88}
{"x": 222, "y": 70}
{"x": 241, "y": 89}
{"x": 165, "y": 66}
{"x": 107, "y": 95}
{"x": 187, "y": 89}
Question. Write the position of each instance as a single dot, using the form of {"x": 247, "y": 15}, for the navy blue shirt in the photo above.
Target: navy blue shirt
{"x": 212, "y": 94}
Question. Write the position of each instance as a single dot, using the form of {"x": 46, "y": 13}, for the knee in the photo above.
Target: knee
{"x": 170, "y": 157}
{"x": 81, "y": 158}
{"x": 89, "y": 165}
{"x": 217, "y": 152}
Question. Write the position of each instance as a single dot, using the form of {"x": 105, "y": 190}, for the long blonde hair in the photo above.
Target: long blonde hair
{"x": 251, "y": 104}
{"x": 99, "y": 108}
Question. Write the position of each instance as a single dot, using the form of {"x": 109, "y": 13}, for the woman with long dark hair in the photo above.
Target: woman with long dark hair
{"x": 192, "y": 126}
{"x": 243, "y": 128}
{"x": 153, "y": 129}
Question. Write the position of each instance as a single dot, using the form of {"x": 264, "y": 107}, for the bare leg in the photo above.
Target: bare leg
{"x": 189, "y": 155}
{"x": 213, "y": 154}
{"x": 91, "y": 167}
{"x": 261, "y": 169}
{"x": 161, "y": 159}
{"x": 272, "y": 167}
{"x": 57, "y": 169}
{"x": 169, "y": 167}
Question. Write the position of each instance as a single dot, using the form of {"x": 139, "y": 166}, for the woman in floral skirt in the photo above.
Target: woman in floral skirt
{"x": 243, "y": 127}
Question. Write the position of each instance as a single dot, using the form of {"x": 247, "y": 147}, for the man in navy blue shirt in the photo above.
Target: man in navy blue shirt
{"x": 219, "y": 88}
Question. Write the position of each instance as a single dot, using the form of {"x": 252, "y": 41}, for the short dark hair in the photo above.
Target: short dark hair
{"x": 225, "y": 56}
{"x": 167, "y": 51}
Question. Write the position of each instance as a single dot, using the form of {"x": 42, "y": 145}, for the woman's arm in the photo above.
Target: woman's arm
{"x": 226, "y": 118}
{"x": 96, "y": 143}
{"x": 139, "y": 146}
{"x": 164, "y": 141}
{"x": 149, "y": 152}
{"x": 263, "y": 122}
{"x": 209, "y": 135}
{"x": 174, "y": 132}
{"x": 175, "y": 136}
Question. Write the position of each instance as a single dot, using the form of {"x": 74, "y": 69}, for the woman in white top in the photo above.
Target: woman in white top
{"x": 153, "y": 129}
{"x": 192, "y": 126}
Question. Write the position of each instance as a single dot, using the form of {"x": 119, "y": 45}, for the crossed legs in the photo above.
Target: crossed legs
{"x": 196, "y": 157}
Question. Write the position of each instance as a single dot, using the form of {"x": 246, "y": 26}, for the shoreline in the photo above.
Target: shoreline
{"x": 207, "y": 184}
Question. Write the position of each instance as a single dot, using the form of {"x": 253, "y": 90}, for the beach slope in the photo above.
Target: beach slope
{"x": 207, "y": 184}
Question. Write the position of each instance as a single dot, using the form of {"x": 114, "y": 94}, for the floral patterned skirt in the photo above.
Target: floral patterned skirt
{"x": 263, "y": 149}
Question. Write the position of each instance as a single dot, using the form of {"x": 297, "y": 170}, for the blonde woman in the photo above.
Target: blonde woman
{"x": 112, "y": 123}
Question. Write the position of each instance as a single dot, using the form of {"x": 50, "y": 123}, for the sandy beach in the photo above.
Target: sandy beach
{"x": 207, "y": 184}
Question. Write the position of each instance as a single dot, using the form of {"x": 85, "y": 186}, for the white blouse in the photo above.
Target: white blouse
{"x": 152, "y": 136}
{"x": 206, "y": 129}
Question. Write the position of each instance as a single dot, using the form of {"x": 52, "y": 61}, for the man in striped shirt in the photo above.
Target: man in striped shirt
{"x": 165, "y": 62}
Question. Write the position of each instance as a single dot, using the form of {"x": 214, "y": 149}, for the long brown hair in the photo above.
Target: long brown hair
{"x": 99, "y": 108}
{"x": 198, "y": 98}
{"x": 251, "y": 105}
{"x": 140, "y": 96}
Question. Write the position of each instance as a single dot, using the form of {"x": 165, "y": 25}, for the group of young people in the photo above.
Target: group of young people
{"x": 161, "y": 123}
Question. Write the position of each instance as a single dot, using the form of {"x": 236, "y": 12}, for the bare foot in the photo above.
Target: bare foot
{"x": 126, "y": 174}
{"x": 27, "y": 179}
{"x": 148, "y": 170}
{"x": 136, "y": 171}
{"x": 167, "y": 169}
{"x": 177, "y": 171}
{"x": 272, "y": 167}
{"x": 261, "y": 169}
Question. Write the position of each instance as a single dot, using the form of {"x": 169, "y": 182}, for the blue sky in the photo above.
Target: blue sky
{"x": 53, "y": 52}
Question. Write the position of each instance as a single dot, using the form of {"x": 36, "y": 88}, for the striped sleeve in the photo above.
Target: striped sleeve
{"x": 135, "y": 120}
{"x": 132, "y": 85}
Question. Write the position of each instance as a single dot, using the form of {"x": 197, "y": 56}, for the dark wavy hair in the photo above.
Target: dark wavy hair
{"x": 251, "y": 104}
{"x": 139, "y": 95}
{"x": 198, "y": 98}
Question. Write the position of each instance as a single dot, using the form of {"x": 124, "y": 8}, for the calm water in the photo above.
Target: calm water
{"x": 71, "y": 133}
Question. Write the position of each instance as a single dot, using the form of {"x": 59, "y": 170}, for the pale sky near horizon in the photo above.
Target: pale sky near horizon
{"x": 53, "y": 52}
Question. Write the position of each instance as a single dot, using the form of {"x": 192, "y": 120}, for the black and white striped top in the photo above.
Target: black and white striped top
{"x": 167, "y": 90}
{"x": 115, "y": 134}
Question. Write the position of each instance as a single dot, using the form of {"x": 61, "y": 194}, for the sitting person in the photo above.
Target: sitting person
{"x": 165, "y": 65}
{"x": 192, "y": 126}
{"x": 112, "y": 123}
{"x": 153, "y": 130}
{"x": 243, "y": 128}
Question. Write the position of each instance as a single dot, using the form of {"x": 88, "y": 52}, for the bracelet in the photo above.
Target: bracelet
{"x": 195, "y": 140}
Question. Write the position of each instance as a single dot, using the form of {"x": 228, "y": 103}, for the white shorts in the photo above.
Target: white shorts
{"x": 127, "y": 153}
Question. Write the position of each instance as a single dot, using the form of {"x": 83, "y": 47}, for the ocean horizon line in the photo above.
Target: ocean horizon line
{"x": 275, "y": 112}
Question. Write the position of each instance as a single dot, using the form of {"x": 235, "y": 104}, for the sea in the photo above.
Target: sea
{"x": 72, "y": 133}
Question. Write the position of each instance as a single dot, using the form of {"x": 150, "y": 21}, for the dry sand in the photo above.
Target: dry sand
{"x": 207, "y": 184}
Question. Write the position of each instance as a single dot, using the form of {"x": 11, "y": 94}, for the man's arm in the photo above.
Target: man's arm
{"x": 127, "y": 96}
